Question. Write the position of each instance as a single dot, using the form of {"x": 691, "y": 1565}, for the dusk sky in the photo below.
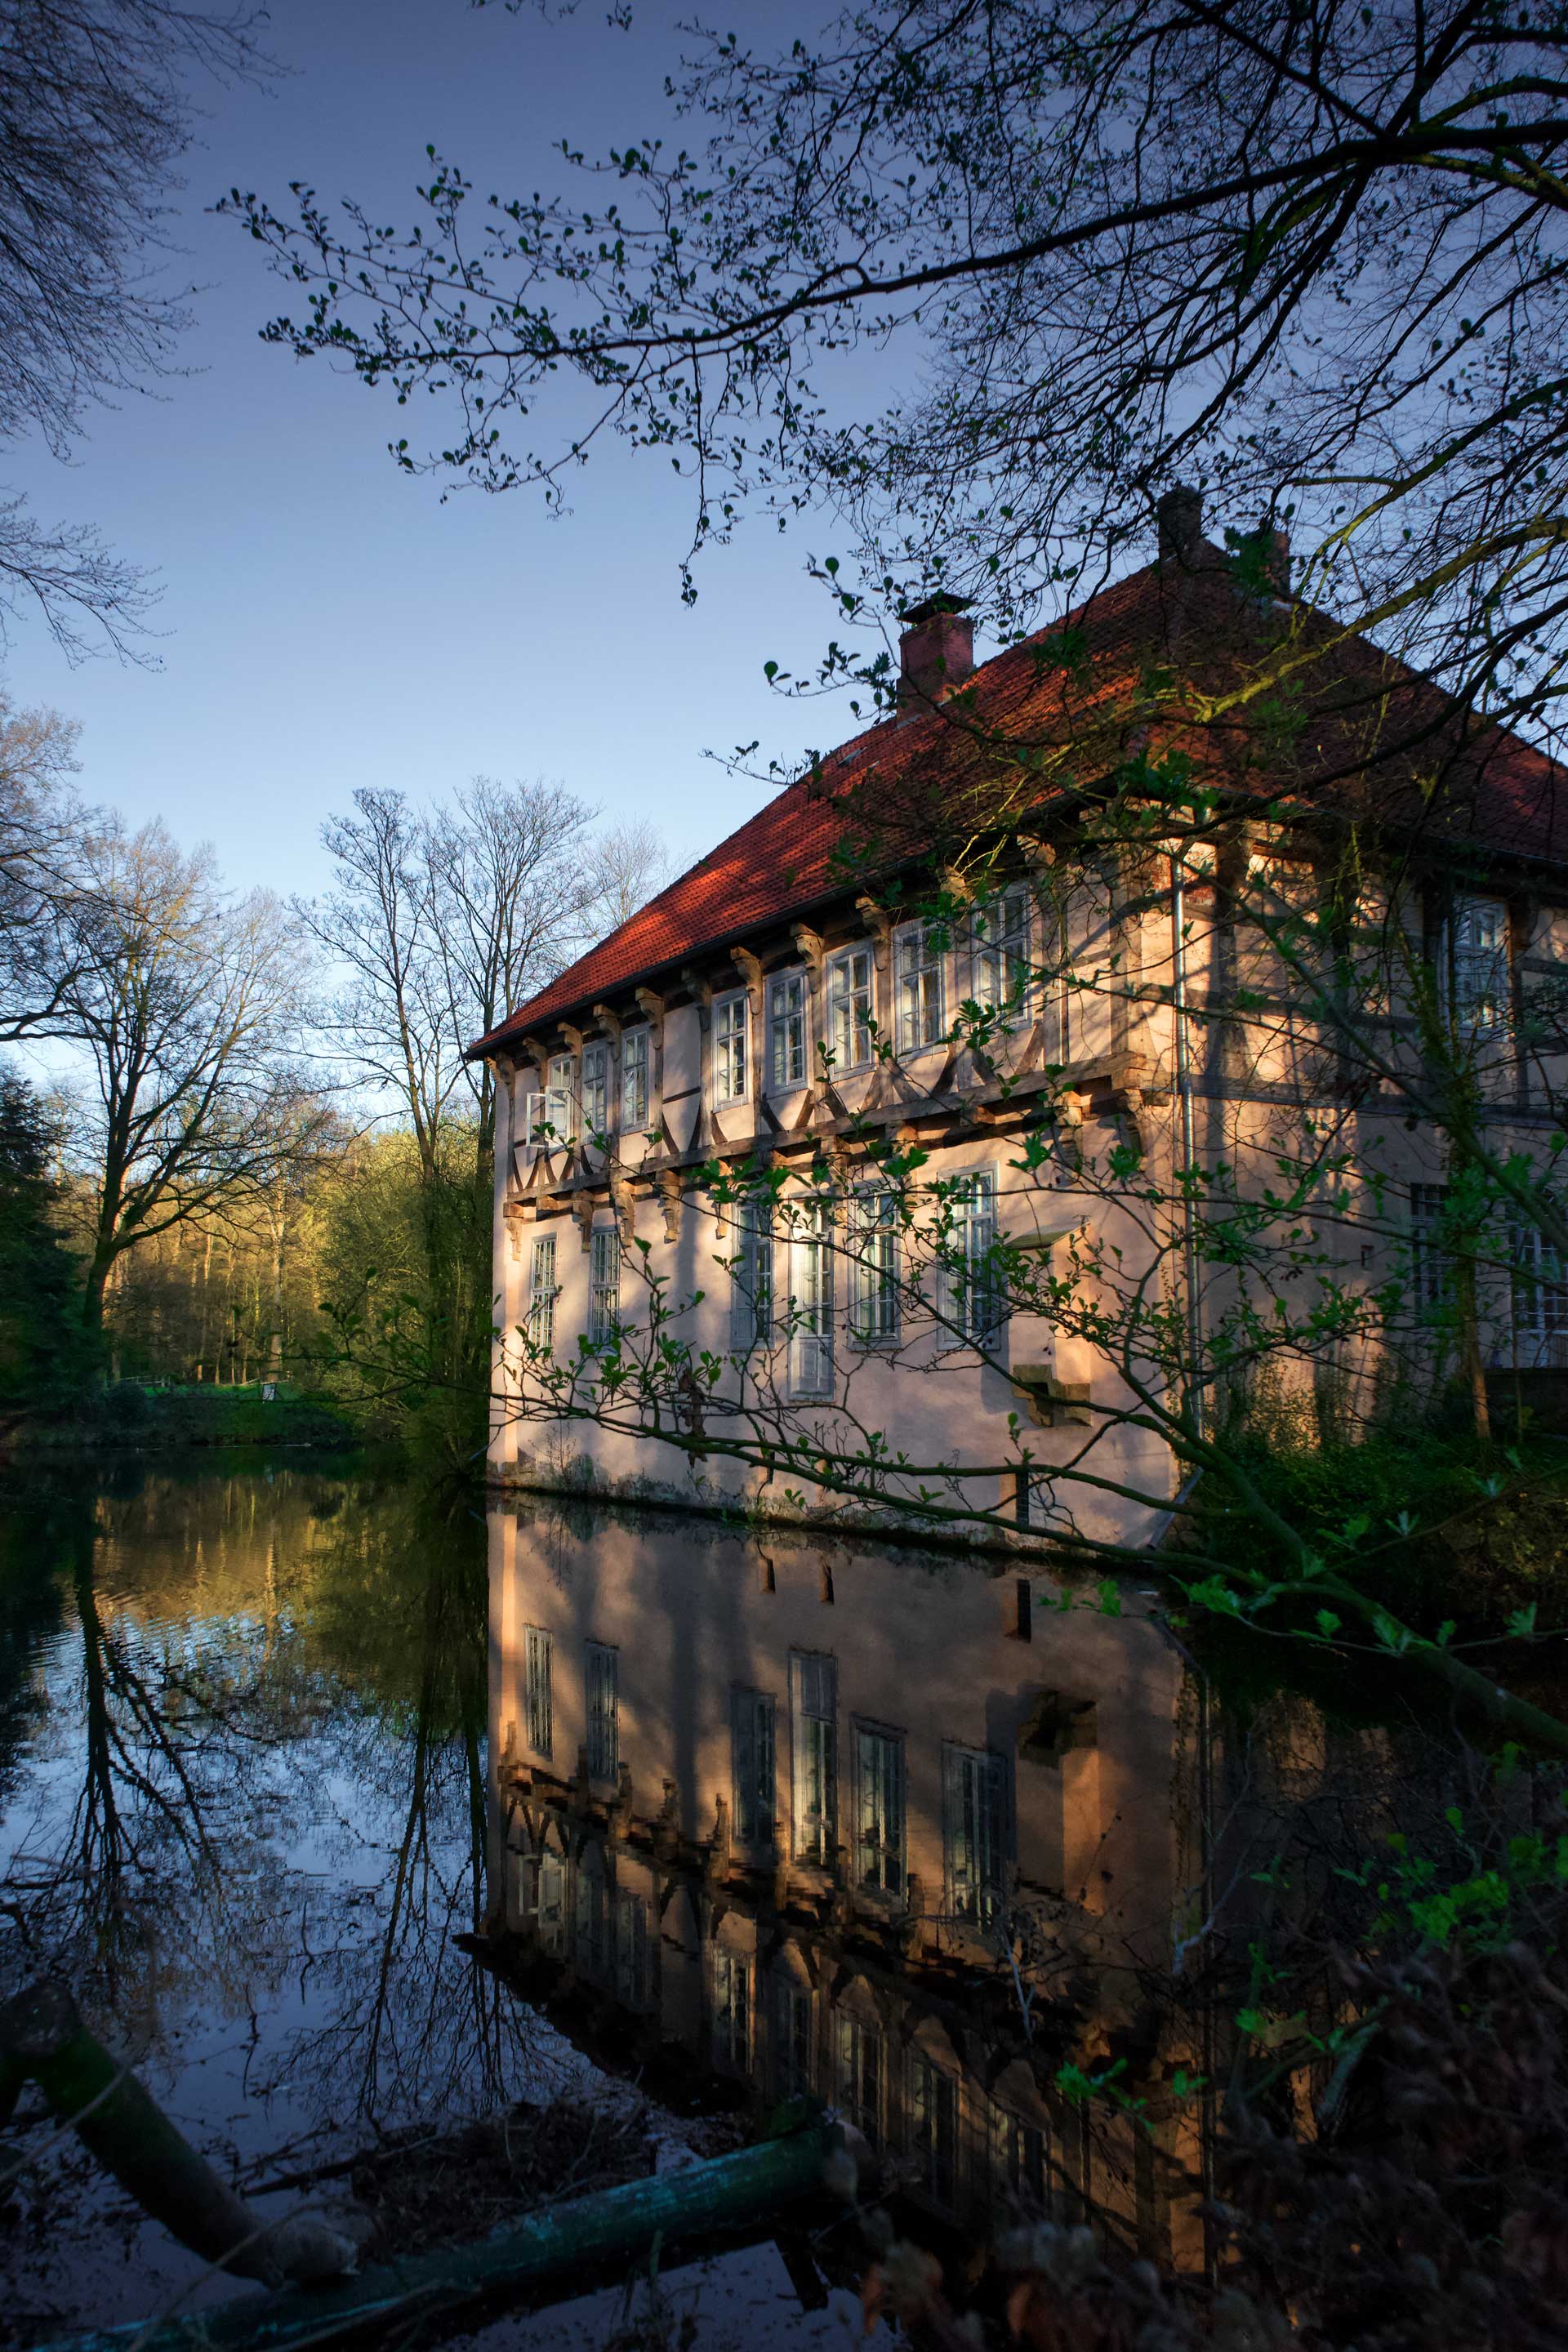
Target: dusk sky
{"x": 327, "y": 622}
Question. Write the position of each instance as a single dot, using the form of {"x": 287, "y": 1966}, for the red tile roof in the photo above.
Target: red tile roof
{"x": 792, "y": 854}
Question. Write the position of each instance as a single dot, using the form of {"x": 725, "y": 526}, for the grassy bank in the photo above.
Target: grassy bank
{"x": 154, "y": 1417}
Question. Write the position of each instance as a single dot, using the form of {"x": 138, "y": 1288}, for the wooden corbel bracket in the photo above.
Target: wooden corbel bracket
{"x": 574, "y": 1037}
{"x": 610, "y": 1022}
{"x": 751, "y": 971}
{"x": 808, "y": 943}
{"x": 652, "y": 1011}
{"x": 583, "y": 1209}
{"x": 702, "y": 990}
{"x": 669, "y": 1199}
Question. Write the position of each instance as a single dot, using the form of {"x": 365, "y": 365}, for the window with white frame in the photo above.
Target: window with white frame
{"x": 603, "y": 1742}
{"x": 968, "y": 1287}
{"x": 934, "y": 2129}
{"x": 974, "y": 1828}
{"x": 918, "y": 969}
{"x": 530, "y": 1113}
{"x": 1481, "y": 980}
{"x": 634, "y": 1081}
{"x": 814, "y": 1742}
{"x": 537, "y": 1713}
{"x": 731, "y": 1977}
{"x": 849, "y": 1013}
{"x": 595, "y": 1089}
{"x": 752, "y": 1764}
{"x": 1538, "y": 1299}
{"x": 560, "y": 1099}
{"x": 879, "y": 1809}
{"x": 793, "y": 2037}
{"x": 999, "y": 951}
{"x": 873, "y": 1250}
{"x": 543, "y": 1292}
{"x": 731, "y": 1065}
{"x": 811, "y": 1302}
{"x": 752, "y": 1276}
{"x": 1431, "y": 1259}
{"x": 860, "y": 2057}
{"x": 786, "y": 1030}
{"x": 603, "y": 1283}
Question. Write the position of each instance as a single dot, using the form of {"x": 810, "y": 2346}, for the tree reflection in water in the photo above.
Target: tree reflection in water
{"x": 242, "y": 1775}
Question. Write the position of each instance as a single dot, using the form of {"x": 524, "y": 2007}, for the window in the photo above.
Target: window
{"x": 633, "y": 1953}
{"x": 811, "y": 1303}
{"x": 1020, "y": 2156}
{"x": 552, "y": 1903}
{"x": 603, "y": 1285}
{"x": 1000, "y": 952}
{"x": 731, "y": 2009}
{"x": 752, "y": 1764}
{"x": 530, "y": 1112}
{"x": 934, "y": 2127}
{"x": 604, "y": 1727}
{"x": 814, "y": 1735}
{"x": 793, "y": 2038}
{"x": 591, "y": 1941}
{"x": 918, "y": 962}
{"x": 595, "y": 1096}
{"x": 558, "y": 1099}
{"x": 786, "y": 1030}
{"x": 1479, "y": 936}
{"x": 752, "y": 1276}
{"x": 543, "y": 1294}
{"x": 731, "y": 1074}
{"x": 536, "y": 1690}
{"x": 974, "y": 1826}
{"x": 968, "y": 1291}
{"x": 849, "y": 1009}
{"x": 880, "y": 1811}
{"x": 874, "y": 1266}
{"x": 1539, "y": 1299}
{"x": 860, "y": 2076}
{"x": 634, "y": 1082}
{"x": 1431, "y": 1264}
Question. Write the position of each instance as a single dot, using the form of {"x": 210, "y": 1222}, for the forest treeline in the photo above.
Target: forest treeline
{"x": 239, "y": 1131}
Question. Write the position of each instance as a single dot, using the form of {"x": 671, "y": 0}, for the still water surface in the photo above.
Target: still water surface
{"x": 741, "y": 1822}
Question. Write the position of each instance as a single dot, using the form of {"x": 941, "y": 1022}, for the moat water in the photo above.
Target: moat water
{"x": 742, "y": 1822}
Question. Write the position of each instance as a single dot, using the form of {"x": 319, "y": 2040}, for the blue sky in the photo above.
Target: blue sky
{"x": 326, "y": 622}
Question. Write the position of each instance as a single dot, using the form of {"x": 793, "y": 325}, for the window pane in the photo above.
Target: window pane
{"x": 920, "y": 966}
{"x": 811, "y": 1303}
{"x": 874, "y": 1267}
{"x": 605, "y": 1284}
{"x": 537, "y": 1713}
{"x": 813, "y": 1729}
{"x": 542, "y": 1293}
{"x": 729, "y": 1076}
{"x": 603, "y": 1727}
{"x": 752, "y": 1276}
{"x": 786, "y": 1030}
{"x": 633, "y": 1080}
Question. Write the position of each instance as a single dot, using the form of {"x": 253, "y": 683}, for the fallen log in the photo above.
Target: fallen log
{"x": 42, "y": 2036}
{"x": 616, "y": 2225}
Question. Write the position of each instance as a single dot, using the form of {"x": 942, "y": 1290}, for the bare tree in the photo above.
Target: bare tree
{"x": 185, "y": 1001}
{"x": 41, "y": 825}
{"x": 95, "y": 114}
{"x": 441, "y": 921}
{"x": 632, "y": 865}
{"x": 1308, "y": 252}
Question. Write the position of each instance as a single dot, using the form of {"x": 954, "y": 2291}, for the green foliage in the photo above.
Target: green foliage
{"x": 46, "y": 1360}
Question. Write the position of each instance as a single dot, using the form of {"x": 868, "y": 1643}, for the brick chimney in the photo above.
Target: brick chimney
{"x": 1180, "y": 518}
{"x": 936, "y": 650}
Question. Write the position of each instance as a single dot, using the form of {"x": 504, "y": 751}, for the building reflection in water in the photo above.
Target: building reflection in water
{"x": 848, "y": 1823}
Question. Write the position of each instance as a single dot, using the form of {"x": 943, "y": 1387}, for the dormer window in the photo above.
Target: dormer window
{"x": 918, "y": 961}
{"x": 595, "y": 1089}
{"x": 849, "y": 1009}
{"x": 634, "y": 1082}
{"x": 731, "y": 1062}
{"x": 786, "y": 1030}
{"x": 559, "y": 1099}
